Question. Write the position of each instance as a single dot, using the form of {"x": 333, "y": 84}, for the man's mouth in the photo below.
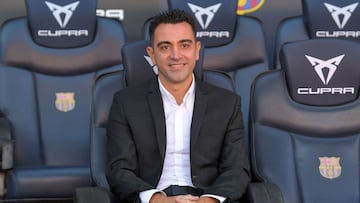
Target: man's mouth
{"x": 177, "y": 65}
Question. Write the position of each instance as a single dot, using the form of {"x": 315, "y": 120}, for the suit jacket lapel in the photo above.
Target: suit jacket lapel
{"x": 157, "y": 111}
{"x": 199, "y": 112}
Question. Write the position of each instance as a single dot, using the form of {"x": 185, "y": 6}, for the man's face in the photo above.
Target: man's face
{"x": 175, "y": 51}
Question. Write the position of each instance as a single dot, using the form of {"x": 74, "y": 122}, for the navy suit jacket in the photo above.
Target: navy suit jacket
{"x": 137, "y": 141}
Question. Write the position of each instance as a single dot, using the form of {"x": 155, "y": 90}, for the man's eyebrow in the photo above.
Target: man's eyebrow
{"x": 167, "y": 42}
{"x": 186, "y": 40}
{"x": 162, "y": 43}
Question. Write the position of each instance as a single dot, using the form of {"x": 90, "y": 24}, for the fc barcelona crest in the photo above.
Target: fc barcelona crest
{"x": 249, "y": 6}
{"x": 330, "y": 167}
{"x": 65, "y": 101}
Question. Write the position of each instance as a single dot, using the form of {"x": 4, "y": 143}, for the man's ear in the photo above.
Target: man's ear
{"x": 150, "y": 52}
{"x": 198, "y": 46}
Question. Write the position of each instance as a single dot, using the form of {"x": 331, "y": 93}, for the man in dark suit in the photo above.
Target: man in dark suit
{"x": 176, "y": 138}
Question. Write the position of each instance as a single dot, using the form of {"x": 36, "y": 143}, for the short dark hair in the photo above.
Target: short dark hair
{"x": 171, "y": 17}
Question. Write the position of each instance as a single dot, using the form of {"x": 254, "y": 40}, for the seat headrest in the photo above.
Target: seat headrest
{"x": 332, "y": 18}
{"x": 62, "y": 23}
{"x": 139, "y": 67}
{"x": 322, "y": 72}
{"x": 209, "y": 15}
{"x": 137, "y": 64}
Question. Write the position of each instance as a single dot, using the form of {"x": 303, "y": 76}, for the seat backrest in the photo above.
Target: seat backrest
{"x": 102, "y": 96}
{"x": 304, "y": 122}
{"x": 49, "y": 62}
{"x": 233, "y": 44}
{"x": 321, "y": 19}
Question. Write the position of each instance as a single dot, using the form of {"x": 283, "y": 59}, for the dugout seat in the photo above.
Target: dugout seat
{"x": 233, "y": 44}
{"x": 49, "y": 61}
{"x": 304, "y": 125}
{"x": 320, "y": 19}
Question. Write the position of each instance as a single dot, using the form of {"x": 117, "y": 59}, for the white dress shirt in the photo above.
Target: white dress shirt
{"x": 176, "y": 168}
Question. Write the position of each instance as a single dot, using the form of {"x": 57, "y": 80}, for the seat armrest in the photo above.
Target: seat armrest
{"x": 92, "y": 195}
{"x": 264, "y": 193}
{"x": 6, "y": 145}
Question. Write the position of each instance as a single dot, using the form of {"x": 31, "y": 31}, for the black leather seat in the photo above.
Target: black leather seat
{"x": 305, "y": 125}
{"x": 233, "y": 44}
{"x": 50, "y": 60}
{"x": 321, "y": 19}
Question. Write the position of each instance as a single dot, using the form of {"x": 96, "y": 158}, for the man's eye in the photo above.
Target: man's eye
{"x": 186, "y": 45}
{"x": 164, "y": 48}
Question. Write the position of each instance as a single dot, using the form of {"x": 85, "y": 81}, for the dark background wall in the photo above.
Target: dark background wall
{"x": 134, "y": 13}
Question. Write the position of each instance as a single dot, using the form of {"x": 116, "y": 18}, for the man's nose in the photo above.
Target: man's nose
{"x": 175, "y": 53}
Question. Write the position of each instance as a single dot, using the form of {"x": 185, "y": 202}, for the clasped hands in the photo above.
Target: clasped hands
{"x": 160, "y": 198}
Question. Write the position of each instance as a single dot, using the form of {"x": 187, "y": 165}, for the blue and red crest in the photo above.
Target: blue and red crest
{"x": 330, "y": 167}
{"x": 65, "y": 101}
{"x": 248, "y": 6}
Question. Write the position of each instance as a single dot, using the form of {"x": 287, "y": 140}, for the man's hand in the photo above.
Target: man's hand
{"x": 194, "y": 199}
{"x": 161, "y": 198}
{"x": 207, "y": 200}
{"x": 158, "y": 198}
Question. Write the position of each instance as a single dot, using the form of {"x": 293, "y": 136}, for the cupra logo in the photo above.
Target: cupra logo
{"x": 319, "y": 65}
{"x": 343, "y": 13}
{"x": 208, "y": 12}
{"x": 66, "y": 10}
